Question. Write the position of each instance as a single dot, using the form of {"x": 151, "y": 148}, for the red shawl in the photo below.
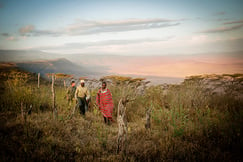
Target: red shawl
{"x": 105, "y": 103}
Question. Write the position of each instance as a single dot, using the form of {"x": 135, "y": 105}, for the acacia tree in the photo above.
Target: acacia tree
{"x": 63, "y": 77}
{"x": 82, "y": 78}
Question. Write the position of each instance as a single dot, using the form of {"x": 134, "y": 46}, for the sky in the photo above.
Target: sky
{"x": 122, "y": 27}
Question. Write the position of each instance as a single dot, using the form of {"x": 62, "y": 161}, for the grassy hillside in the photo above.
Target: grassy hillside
{"x": 189, "y": 122}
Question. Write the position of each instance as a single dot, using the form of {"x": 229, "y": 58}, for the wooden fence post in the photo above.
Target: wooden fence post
{"x": 148, "y": 115}
{"x": 38, "y": 80}
{"x": 23, "y": 115}
{"x": 53, "y": 97}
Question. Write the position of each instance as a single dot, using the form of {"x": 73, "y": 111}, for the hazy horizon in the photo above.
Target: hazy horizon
{"x": 160, "y": 66}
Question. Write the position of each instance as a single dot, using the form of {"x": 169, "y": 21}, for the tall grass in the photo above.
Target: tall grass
{"x": 19, "y": 90}
{"x": 188, "y": 124}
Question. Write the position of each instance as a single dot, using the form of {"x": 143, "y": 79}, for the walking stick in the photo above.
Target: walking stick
{"x": 74, "y": 109}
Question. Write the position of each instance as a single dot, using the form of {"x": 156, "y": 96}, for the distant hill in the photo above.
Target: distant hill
{"x": 25, "y": 55}
{"x": 56, "y": 66}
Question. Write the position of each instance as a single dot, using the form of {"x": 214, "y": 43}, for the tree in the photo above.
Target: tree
{"x": 63, "y": 76}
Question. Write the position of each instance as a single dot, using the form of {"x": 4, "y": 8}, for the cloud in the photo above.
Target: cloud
{"x": 5, "y": 34}
{"x": 219, "y": 13}
{"x": 83, "y": 27}
{"x": 11, "y": 38}
{"x": 46, "y": 33}
{"x": 26, "y": 29}
{"x": 228, "y": 26}
{"x": 30, "y": 30}
{"x": 94, "y": 27}
{"x": 234, "y": 22}
{"x": 222, "y": 29}
{"x": 222, "y": 19}
{"x": 105, "y": 43}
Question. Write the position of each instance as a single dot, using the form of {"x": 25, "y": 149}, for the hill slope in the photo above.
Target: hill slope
{"x": 56, "y": 66}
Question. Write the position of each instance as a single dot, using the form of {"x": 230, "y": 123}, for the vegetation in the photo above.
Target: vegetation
{"x": 188, "y": 122}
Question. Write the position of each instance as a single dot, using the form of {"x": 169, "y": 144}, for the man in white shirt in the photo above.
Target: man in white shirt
{"x": 82, "y": 95}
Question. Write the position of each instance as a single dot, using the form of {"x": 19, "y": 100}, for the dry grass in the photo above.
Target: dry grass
{"x": 187, "y": 125}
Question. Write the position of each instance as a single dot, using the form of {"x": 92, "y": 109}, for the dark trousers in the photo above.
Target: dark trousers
{"x": 82, "y": 104}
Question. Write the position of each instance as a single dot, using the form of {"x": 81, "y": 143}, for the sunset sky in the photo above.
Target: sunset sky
{"x": 122, "y": 27}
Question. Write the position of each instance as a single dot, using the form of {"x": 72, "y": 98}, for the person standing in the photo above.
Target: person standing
{"x": 71, "y": 92}
{"x": 105, "y": 102}
{"x": 82, "y": 96}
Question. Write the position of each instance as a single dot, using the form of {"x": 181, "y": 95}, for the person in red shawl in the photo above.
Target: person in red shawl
{"x": 105, "y": 102}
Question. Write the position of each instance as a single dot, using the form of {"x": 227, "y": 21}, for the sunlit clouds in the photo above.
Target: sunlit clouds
{"x": 223, "y": 29}
{"x": 94, "y": 27}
